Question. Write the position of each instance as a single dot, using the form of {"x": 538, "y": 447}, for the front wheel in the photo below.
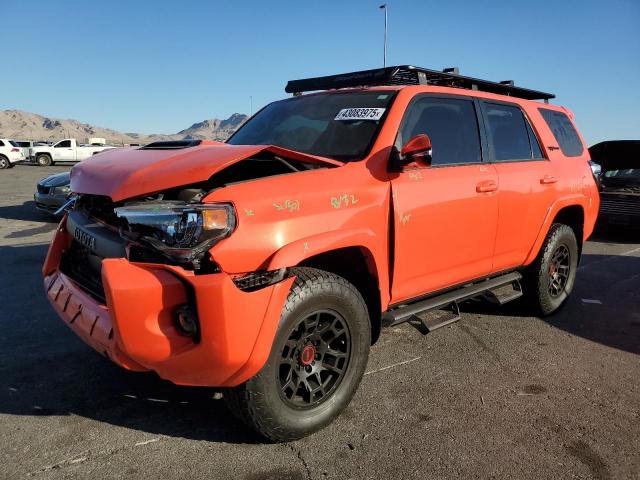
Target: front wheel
{"x": 550, "y": 278}
{"x": 318, "y": 357}
{"x": 4, "y": 162}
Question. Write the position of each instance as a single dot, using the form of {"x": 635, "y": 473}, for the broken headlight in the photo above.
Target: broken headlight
{"x": 178, "y": 230}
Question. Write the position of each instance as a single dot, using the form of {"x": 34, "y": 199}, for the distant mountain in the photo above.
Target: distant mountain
{"x": 213, "y": 129}
{"x": 19, "y": 125}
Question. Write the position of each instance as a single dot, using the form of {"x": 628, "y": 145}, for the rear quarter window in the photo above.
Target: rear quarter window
{"x": 563, "y": 131}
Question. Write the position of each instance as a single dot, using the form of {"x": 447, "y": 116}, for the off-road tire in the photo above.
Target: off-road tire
{"x": 4, "y": 162}
{"x": 538, "y": 276}
{"x": 259, "y": 402}
{"x": 44, "y": 160}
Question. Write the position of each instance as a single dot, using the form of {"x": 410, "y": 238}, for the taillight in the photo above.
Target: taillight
{"x": 596, "y": 170}
{"x": 15, "y": 149}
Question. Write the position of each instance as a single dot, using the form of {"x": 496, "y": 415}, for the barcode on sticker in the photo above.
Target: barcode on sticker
{"x": 360, "y": 114}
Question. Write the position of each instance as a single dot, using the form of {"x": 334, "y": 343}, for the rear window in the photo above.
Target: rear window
{"x": 564, "y": 132}
{"x": 508, "y": 133}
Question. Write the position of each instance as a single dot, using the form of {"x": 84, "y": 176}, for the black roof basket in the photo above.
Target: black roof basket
{"x": 410, "y": 75}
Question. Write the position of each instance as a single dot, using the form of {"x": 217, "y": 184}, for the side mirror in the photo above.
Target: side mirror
{"x": 417, "y": 149}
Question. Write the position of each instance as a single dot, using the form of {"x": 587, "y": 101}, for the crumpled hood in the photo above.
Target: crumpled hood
{"x": 131, "y": 172}
{"x": 616, "y": 154}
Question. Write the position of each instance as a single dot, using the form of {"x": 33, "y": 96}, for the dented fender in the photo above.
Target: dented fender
{"x": 295, "y": 252}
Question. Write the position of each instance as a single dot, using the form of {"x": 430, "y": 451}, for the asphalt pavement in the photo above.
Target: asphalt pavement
{"x": 500, "y": 394}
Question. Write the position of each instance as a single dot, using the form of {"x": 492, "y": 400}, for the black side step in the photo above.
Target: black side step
{"x": 504, "y": 293}
{"x": 503, "y": 289}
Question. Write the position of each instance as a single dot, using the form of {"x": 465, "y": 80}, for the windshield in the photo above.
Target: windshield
{"x": 341, "y": 126}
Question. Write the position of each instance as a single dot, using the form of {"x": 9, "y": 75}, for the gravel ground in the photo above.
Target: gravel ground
{"x": 497, "y": 395}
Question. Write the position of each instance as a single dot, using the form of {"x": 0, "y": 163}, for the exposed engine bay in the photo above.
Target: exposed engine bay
{"x": 171, "y": 226}
{"x": 260, "y": 166}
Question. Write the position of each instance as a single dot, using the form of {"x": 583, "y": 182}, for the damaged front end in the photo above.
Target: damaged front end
{"x": 135, "y": 279}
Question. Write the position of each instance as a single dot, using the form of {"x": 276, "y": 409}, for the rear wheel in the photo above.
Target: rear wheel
{"x": 44, "y": 160}
{"x": 316, "y": 363}
{"x": 551, "y": 277}
{"x": 4, "y": 162}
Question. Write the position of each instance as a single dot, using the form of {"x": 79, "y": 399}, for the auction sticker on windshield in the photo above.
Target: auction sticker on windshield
{"x": 360, "y": 114}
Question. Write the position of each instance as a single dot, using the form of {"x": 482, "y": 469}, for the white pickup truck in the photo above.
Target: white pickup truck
{"x": 67, "y": 150}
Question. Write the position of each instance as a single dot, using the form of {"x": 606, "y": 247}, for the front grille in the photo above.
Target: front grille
{"x": 620, "y": 206}
{"x": 84, "y": 268}
{"x": 49, "y": 208}
{"x": 100, "y": 208}
{"x": 42, "y": 189}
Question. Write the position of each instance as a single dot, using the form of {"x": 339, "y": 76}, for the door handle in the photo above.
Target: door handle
{"x": 487, "y": 186}
{"x": 548, "y": 180}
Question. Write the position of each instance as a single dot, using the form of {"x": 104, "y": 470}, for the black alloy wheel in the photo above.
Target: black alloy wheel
{"x": 318, "y": 357}
{"x": 559, "y": 269}
{"x": 314, "y": 359}
{"x": 549, "y": 280}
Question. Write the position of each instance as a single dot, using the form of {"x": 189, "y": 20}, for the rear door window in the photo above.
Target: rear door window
{"x": 509, "y": 133}
{"x": 450, "y": 123}
{"x": 563, "y": 131}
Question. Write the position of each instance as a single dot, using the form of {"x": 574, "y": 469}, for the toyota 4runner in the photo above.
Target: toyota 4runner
{"x": 268, "y": 265}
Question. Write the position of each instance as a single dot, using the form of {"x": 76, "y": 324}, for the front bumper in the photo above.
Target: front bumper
{"x": 135, "y": 326}
{"x": 48, "y": 202}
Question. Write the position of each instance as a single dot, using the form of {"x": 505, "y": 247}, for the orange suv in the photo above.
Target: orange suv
{"x": 268, "y": 265}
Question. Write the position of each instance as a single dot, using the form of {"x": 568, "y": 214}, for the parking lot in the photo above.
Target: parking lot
{"x": 497, "y": 395}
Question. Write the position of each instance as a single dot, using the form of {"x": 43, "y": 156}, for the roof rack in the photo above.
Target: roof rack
{"x": 410, "y": 75}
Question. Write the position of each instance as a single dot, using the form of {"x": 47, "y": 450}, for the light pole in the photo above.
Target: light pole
{"x": 384, "y": 7}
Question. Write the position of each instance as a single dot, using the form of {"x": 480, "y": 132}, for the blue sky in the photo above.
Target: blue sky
{"x": 159, "y": 66}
